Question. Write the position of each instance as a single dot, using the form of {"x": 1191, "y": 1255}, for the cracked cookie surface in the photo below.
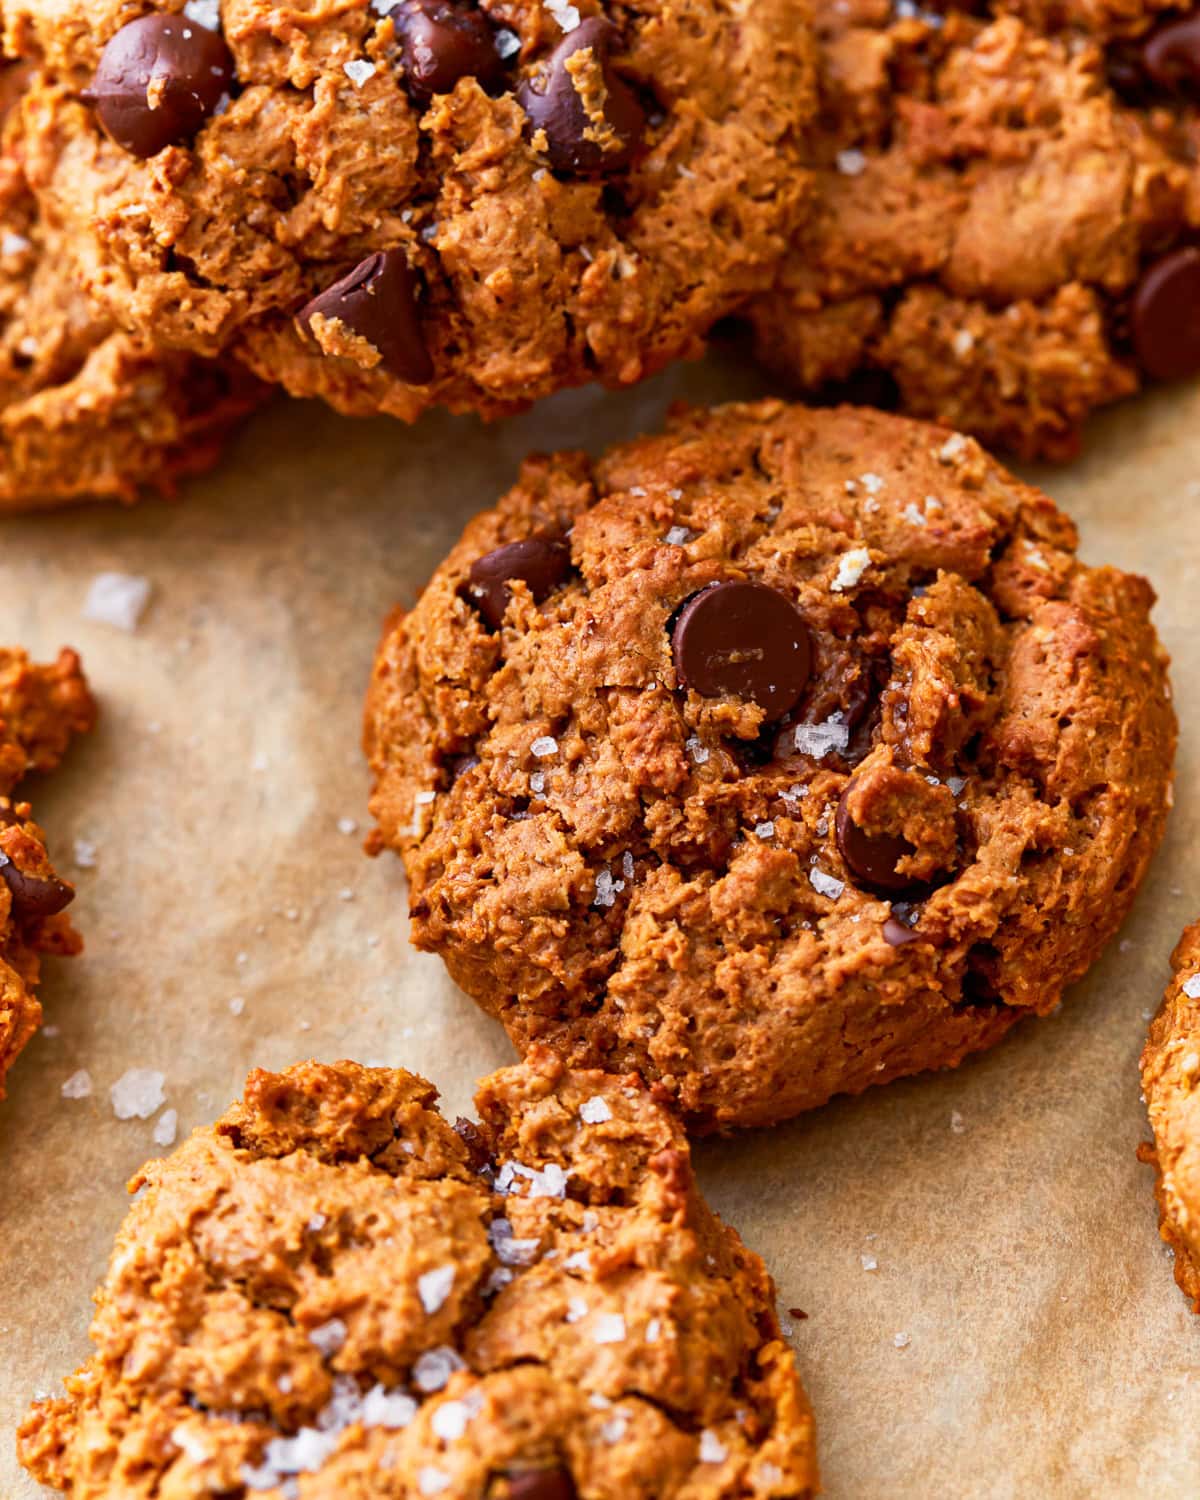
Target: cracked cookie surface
{"x": 41, "y": 708}
{"x": 333, "y": 1293}
{"x": 621, "y": 853}
{"x": 1005, "y": 221}
{"x": 468, "y": 206}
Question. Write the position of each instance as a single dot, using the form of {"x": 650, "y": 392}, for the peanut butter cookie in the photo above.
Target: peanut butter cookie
{"x": 331, "y": 1293}
{"x": 783, "y": 754}
{"x": 1007, "y": 217}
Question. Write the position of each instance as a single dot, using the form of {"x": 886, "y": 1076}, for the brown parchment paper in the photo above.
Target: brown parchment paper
{"x": 1048, "y": 1353}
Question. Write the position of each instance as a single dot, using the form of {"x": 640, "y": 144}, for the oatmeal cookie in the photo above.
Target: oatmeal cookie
{"x": 427, "y": 202}
{"x": 41, "y": 708}
{"x": 1170, "y": 1079}
{"x": 1006, "y": 231}
{"x": 86, "y": 411}
{"x": 332, "y": 1293}
{"x": 783, "y": 754}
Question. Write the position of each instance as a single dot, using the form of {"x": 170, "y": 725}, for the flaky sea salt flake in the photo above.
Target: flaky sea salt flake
{"x": 117, "y": 599}
{"x": 608, "y": 1328}
{"x": 434, "y": 1368}
{"x": 818, "y": 740}
{"x": 78, "y": 1086}
{"x": 166, "y": 1127}
{"x": 901, "y": 1340}
{"x": 1191, "y": 987}
{"x": 384, "y": 1408}
{"x": 329, "y": 1337}
{"x": 712, "y": 1449}
{"x": 434, "y": 1287}
{"x": 851, "y": 567}
{"x": 544, "y": 745}
{"x": 358, "y": 71}
{"x": 595, "y": 1111}
{"x": 851, "y": 162}
{"x": 138, "y": 1094}
{"x": 826, "y": 885}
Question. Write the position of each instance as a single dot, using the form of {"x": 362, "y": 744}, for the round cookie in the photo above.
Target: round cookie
{"x": 86, "y": 411}
{"x": 621, "y": 853}
{"x": 1006, "y": 220}
{"x": 1170, "y": 1075}
{"x": 333, "y": 1293}
{"x": 428, "y": 202}
{"x": 41, "y": 708}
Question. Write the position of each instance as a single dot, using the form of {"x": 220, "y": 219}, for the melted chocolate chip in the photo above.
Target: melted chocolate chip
{"x": 584, "y": 134}
{"x": 1171, "y": 55}
{"x": 34, "y": 897}
{"x": 159, "y": 79}
{"x": 540, "y": 561}
{"x": 745, "y": 640}
{"x": 441, "y": 42}
{"x": 898, "y": 934}
{"x": 871, "y": 859}
{"x": 540, "y": 1484}
{"x": 378, "y": 301}
{"x": 1165, "y": 316}
{"x": 459, "y": 765}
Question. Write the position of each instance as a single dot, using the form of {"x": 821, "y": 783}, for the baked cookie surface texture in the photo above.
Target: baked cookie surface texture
{"x": 41, "y": 708}
{"x": 429, "y": 202}
{"x": 331, "y": 1293}
{"x": 782, "y": 754}
{"x": 1006, "y": 219}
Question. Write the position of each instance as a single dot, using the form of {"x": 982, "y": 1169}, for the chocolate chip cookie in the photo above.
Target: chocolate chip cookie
{"x": 1007, "y": 224}
{"x": 430, "y": 201}
{"x": 334, "y": 1293}
{"x": 1171, "y": 1084}
{"x": 41, "y": 708}
{"x": 87, "y": 411}
{"x": 780, "y": 755}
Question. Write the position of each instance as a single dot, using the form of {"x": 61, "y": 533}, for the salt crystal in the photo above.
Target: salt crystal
{"x": 952, "y": 448}
{"x": 191, "y": 1445}
{"x": 347, "y": 825}
{"x": 872, "y": 483}
{"x": 512, "y": 1252}
{"x": 237, "y": 1005}
{"x": 383, "y": 1408}
{"x": 577, "y": 1310}
{"x": 578, "y": 1260}
{"x": 117, "y": 599}
{"x": 85, "y": 854}
{"x": 769, "y": 1474}
{"x": 956, "y": 784}
{"x": 869, "y": 1263}
{"x": 78, "y": 1086}
{"x": 607, "y": 889}
{"x": 851, "y": 567}
{"x": 851, "y": 162}
{"x": 206, "y": 13}
{"x": 901, "y": 1341}
{"x": 608, "y": 1328}
{"x": 431, "y": 1481}
{"x": 963, "y": 342}
{"x": 826, "y": 885}
{"x": 627, "y": 868}
{"x": 957, "y": 1124}
{"x": 450, "y": 1420}
{"x": 544, "y": 745}
{"x": 328, "y": 1337}
{"x": 913, "y": 515}
{"x": 434, "y": 1287}
{"x": 359, "y": 71}
{"x": 595, "y": 1111}
{"x": 653, "y": 1331}
{"x": 591, "y": 1219}
{"x": 13, "y": 244}
{"x": 138, "y": 1093}
{"x": 712, "y": 1449}
{"x": 165, "y": 1128}
{"x": 818, "y": 740}
{"x": 764, "y": 830}
{"x": 507, "y": 43}
{"x": 677, "y": 536}
{"x": 537, "y": 783}
{"x": 1191, "y": 987}
{"x": 434, "y": 1368}
{"x": 614, "y": 1429}
{"x": 696, "y": 750}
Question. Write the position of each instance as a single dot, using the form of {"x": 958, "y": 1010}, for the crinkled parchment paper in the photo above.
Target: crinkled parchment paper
{"x": 989, "y": 1309}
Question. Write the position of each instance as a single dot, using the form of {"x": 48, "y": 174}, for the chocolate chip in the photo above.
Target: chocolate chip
{"x": 441, "y": 42}
{"x": 539, "y": 561}
{"x": 378, "y": 301}
{"x": 478, "y": 1152}
{"x": 745, "y": 640}
{"x": 1166, "y": 316}
{"x": 897, "y": 933}
{"x": 34, "y": 897}
{"x": 539, "y": 1484}
{"x": 590, "y": 124}
{"x": 871, "y": 858}
{"x": 458, "y": 766}
{"x": 158, "y": 80}
{"x": 1171, "y": 55}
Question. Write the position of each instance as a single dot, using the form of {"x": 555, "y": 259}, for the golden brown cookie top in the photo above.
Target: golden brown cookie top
{"x": 428, "y": 202}
{"x": 332, "y": 1292}
{"x": 783, "y": 753}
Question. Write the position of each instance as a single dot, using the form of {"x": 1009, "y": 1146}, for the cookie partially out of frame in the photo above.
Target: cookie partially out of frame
{"x": 1171, "y": 1084}
{"x": 41, "y": 708}
{"x": 332, "y": 1293}
{"x": 779, "y": 755}
{"x": 86, "y": 411}
{"x": 1006, "y": 229}
{"x": 431, "y": 201}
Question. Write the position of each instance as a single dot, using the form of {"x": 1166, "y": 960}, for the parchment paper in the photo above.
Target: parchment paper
{"x": 1048, "y": 1350}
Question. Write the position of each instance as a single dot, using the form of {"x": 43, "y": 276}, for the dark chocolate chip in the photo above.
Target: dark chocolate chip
{"x": 583, "y": 134}
{"x": 478, "y": 1151}
{"x": 871, "y": 859}
{"x": 158, "y": 80}
{"x": 34, "y": 897}
{"x": 897, "y": 933}
{"x": 1171, "y": 55}
{"x": 540, "y": 561}
{"x": 1165, "y": 316}
{"x": 540, "y": 1484}
{"x": 441, "y": 42}
{"x": 378, "y": 301}
{"x": 745, "y": 640}
{"x": 458, "y": 766}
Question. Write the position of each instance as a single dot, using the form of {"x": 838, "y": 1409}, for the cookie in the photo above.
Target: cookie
{"x": 1006, "y": 220}
{"x": 333, "y": 1293}
{"x": 41, "y": 708}
{"x": 1170, "y": 1075}
{"x": 780, "y": 755}
{"x": 86, "y": 411}
{"x": 428, "y": 202}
